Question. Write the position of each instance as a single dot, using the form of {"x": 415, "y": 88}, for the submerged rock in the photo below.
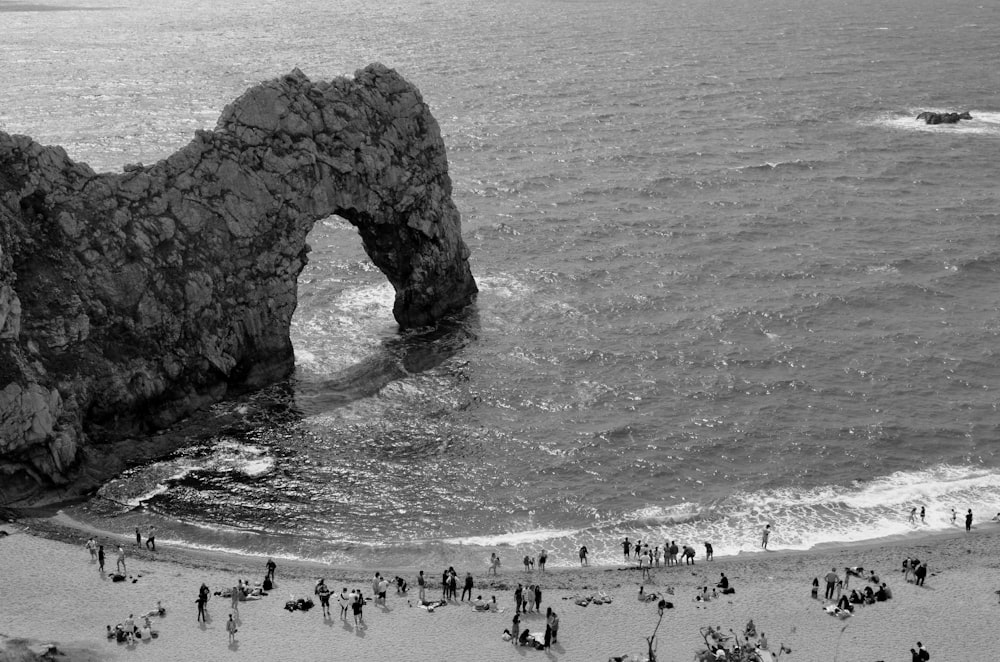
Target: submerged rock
{"x": 127, "y": 301}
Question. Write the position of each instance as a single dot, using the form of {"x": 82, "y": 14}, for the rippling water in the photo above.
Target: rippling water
{"x": 726, "y": 278}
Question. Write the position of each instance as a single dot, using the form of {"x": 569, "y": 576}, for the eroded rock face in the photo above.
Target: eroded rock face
{"x": 129, "y": 300}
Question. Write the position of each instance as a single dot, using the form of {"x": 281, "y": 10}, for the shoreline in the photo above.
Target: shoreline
{"x": 772, "y": 588}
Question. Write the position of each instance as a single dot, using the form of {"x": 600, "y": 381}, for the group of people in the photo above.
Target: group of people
{"x": 129, "y": 631}
{"x": 538, "y": 641}
{"x": 670, "y": 554}
{"x": 529, "y": 561}
{"x": 874, "y": 591}
{"x": 528, "y": 599}
{"x": 914, "y": 570}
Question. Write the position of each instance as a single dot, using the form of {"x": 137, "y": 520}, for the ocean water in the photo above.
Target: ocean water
{"x": 727, "y": 279}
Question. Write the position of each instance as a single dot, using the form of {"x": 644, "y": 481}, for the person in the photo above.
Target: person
{"x": 724, "y": 581}
{"x": 913, "y": 515}
{"x": 538, "y": 598}
{"x": 548, "y": 627}
{"x": 922, "y": 514}
{"x": 323, "y": 591}
{"x": 831, "y": 583}
{"x": 920, "y": 573}
{"x": 637, "y": 547}
{"x": 129, "y": 627}
{"x": 542, "y": 558}
{"x": 467, "y": 587}
{"x": 151, "y": 539}
{"x": 494, "y": 563}
{"x": 762, "y": 643}
{"x": 968, "y": 520}
{"x": 270, "y": 569}
{"x": 996, "y": 518}
{"x": 815, "y": 587}
{"x": 383, "y": 590}
{"x": 231, "y": 629}
{"x": 627, "y": 548}
{"x": 954, "y": 515}
{"x": 359, "y": 607}
{"x": 526, "y": 561}
{"x": 121, "y": 560}
{"x": 908, "y": 568}
{"x": 673, "y": 552}
{"x": 236, "y": 600}
{"x": 202, "y": 599}
{"x": 656, "y": 556}
{"x": 92, "y": 548}
{"x": 138, "y": 538}
{"x": 518, "y": 598}
{"x": 765, "y": 536}
{"x": 401, "y": 585}
{"x": 344, "y": 601}
{"x": 688, "y": 555}
{"x": 421, "y": 587}
{"x": 708, "y": 551}
{"x": 100, "y": 559}
{"x": 922, "y": 652}
{"x": 515, "y": 628}
{"x": 583, "y": 554}
{"x": 555, "y": 627}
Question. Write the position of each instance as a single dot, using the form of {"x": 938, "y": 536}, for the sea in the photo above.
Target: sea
{"x": 726, "y": 278}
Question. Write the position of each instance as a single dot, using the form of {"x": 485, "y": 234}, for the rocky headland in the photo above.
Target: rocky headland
{"x": 129, "y": 301}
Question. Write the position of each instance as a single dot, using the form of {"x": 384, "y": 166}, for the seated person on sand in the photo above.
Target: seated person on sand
{"x": 869, "y": 596}
{"x": 856, "y": 597}
{"x": 873, "y": 578}
{"x": 479, "y": 604}
{"x": 844, "y": 604}
{"x": 492, "y": 604}
{"x": 855, "y": 571}
{"x": 400, "y": 585}
{"x": 750, "y": 630}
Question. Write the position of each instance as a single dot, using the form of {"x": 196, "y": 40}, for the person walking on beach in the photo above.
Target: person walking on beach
{"x": 913, "y": 515}
{"x": 920, "y": 573}
{"x": 100, "y": 559}
{"x": 831, "y": 582}
{"x": 583, "y": 551}
{"x": 270, "y": 569}
{"x": 92, "y": 548}
{"x": 236, "y": 600}
{"x": 151, "y": 539}
{"x": 968, "y": 520}
{"x": 231, "y": 629}
{"x": 120, "y": 565}
{"x": 765, "y": 536}
{"x": 323, "y": 592}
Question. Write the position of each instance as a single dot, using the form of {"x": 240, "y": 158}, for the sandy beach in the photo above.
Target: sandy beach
{"x": 54, "y": 593}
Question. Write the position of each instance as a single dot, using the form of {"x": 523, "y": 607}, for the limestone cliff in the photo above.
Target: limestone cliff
{"x": 129, "y": 300}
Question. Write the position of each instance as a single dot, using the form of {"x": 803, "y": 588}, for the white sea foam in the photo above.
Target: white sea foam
{"x": 513, "y": 539}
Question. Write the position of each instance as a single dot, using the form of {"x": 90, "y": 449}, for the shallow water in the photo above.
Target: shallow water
{"x": 726, "y": 278}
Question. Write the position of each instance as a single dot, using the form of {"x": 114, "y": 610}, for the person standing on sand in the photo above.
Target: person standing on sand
{"x": 138, "y": 538}
{"x": 467, "y": 587}
{"x": 968, "y": 520}
{"x": 555, "y": 627}
{"x": 202, "y": 599}
{"x": 626, "y": 547}
{"x": 270, "y": 569}
{"x": 765, "y": 536}
{"x": 548, "y": 627}
{"x": 518, "y": 598}
{"x": 542, "y": 558}
{"x": 708, "y": 551}
{"x": 151, "y": 538}
{"x": 515, "y": 628}
{"x": 121, "y": 560}
{"x": 583, "y": 552}
{"x": 831, "y": 583}
{"x": 922, "y": 514}
{"x": 100, "y": 559}
{"x": 421, "y": 587}
{"x": 236, "y": 600}
{"x": 92, "y": 548}
{"x": 920, "y": 573}
{"x": 231, "y": 629}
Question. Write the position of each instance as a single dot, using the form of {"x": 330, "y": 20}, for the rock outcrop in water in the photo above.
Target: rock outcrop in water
{"x": 127, "y": 301}
{"x": 930, "y": 117}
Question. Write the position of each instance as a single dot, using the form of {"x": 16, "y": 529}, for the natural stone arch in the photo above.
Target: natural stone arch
{"x": 129, "y": 300}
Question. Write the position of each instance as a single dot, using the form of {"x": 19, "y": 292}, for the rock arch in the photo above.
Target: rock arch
{"x": 129, "y": 300}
